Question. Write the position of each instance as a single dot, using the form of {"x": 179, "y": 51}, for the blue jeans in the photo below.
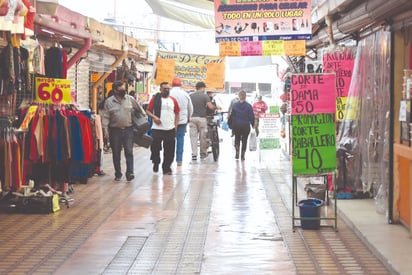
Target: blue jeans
{"x": 180, "y": 141}
{"x": 122, "y": 138}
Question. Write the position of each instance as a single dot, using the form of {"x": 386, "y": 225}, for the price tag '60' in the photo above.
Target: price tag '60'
{"x": 53, "y": 90}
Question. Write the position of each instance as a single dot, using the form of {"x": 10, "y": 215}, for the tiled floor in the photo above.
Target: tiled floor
{"x": 229, "y": 217}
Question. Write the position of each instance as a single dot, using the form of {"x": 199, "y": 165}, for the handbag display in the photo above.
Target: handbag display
{"x": 38, "y": 204}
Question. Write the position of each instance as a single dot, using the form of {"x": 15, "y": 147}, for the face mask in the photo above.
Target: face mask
{"x": 121, "y": 93}
{"x": 165, "y": 93}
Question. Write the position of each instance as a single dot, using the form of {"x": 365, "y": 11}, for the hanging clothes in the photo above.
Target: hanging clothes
{"x": 54, "y": 62}
{"x": 60, "y": 144}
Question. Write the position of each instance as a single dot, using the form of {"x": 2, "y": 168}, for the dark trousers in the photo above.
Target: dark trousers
{"x": 168, "y": 140}
{"x": 241, "y": 134}
{"x": 122, "y": 138}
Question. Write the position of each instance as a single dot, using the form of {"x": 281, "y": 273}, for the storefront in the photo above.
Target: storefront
{"x": 381, "y": 45}
{"x": 402, "y": 152}
{"x": 47, "y": 125}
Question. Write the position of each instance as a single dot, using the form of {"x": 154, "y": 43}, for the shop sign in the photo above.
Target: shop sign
{"x": 191, "y": 68}
{"x": 53, "y": 90}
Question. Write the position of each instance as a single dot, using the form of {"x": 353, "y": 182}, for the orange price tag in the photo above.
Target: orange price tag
{"x": 53, "y": 90}
{"x": 29, "y": 115}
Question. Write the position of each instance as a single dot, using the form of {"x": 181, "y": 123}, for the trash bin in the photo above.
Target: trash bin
{"x": 310, "y": 208}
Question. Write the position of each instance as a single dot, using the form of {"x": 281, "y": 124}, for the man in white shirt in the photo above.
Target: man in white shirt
{"x": 164, "y": 112}
{"x": 186, "y": 110}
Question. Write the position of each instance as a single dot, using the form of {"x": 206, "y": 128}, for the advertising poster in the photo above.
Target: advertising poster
{"x": 313, "y": 126}
{"x": 191, "y": 68}
{"x": 53, "y": 90}
{"x": 313, "y": 144}
{"x": 263, "y": 48}
{"x": 269, "y": 131}
{"x": 341, "y": 63}
{"x": 262, "y": 20}
{"x": 313, "y": 93}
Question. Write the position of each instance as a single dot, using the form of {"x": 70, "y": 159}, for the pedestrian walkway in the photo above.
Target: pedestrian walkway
{"x": 229, "y": 217}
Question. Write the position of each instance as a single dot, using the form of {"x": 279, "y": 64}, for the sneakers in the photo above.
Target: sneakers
{"x": 179, "y": 164}
{"x": 130, "y": 177}
{"x": 117, "y": 178}
{"x": 155, "y": 167}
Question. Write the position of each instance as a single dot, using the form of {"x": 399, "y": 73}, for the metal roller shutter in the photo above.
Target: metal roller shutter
{"x": 79, "y": 75}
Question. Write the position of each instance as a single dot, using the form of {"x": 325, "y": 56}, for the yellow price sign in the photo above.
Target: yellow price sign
{"x": 53, "y": 90}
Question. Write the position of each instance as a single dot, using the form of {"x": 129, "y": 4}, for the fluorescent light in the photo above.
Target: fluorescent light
{"x": 47, "y": 31}
{"x": 67, "y": 37}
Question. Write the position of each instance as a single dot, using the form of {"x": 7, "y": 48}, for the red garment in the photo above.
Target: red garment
{"x": 29, "y": 18}
{"x": 34, "y": 154}
{"x": 86, "y": 137}
{"x": 259, "y": 107}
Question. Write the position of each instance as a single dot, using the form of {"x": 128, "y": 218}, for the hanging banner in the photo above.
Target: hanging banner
{"x": 341, "y": 63}
{"x": 191, "y": 68}
{"x": 313, "y": 93}
{"x": 313, "y": 144}
{"x": 263, "y": 48}
{"x": 53, "y": 90}
{"x": 262, "y": 20}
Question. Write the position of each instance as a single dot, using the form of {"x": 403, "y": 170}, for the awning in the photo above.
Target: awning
{"x": 199, "y": 12}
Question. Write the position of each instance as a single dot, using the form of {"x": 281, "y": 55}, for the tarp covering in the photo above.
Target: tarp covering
{"x": 199, "y": 13}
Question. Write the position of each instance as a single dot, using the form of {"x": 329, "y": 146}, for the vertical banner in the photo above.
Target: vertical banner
{"x": 313, "y": 103}
{"x": 191, "y": 68}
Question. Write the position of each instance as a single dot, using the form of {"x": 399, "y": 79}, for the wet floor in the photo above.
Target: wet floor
{"x": 225, "y": 217}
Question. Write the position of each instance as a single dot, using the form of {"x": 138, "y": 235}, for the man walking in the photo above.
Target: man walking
{"x": 164, "y": 112}
{"x": 198, "y": 121}
{"x": 186, "y": 111}
{"x": 259, "y": 107}
{"x": 117, "y": 125}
